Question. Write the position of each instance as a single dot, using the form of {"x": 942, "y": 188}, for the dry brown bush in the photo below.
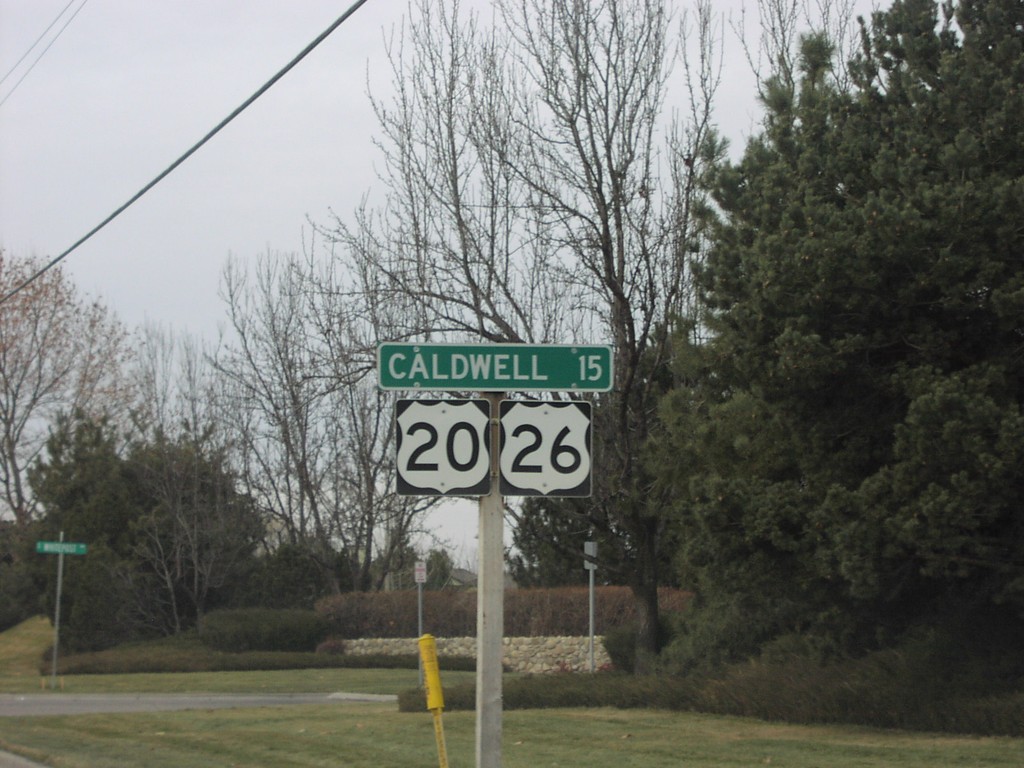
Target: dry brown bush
{"x": 452, "y": 613}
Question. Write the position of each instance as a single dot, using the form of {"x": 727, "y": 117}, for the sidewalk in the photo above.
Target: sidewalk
{"x": 7, "y": 760}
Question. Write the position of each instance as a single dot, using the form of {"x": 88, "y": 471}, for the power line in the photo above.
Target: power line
{"x": 43, "y": 52}
{"x": 191, "y": 151}
{"x": 31, "y": 47}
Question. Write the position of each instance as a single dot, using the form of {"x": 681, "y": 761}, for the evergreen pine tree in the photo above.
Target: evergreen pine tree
{"x": 864, "y": 461}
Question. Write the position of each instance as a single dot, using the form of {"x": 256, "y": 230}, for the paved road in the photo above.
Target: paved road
{"x": 45, "y": 704}
{"x": 48, "y": 704}
{"x": 7, "y": 760}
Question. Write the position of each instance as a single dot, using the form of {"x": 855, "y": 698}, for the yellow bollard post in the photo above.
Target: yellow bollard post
{"x": 435, "y": 695}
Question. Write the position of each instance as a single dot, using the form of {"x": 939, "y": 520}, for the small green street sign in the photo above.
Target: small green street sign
{"x": 494, "y": 367}
{"x": 61, "y": 548}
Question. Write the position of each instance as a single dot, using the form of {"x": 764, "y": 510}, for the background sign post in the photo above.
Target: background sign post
{"x": 56, "y": 615}
{"x": 420, "y": 573}
{"x": 59, "y": 548}
{"x": 590, "y": 555}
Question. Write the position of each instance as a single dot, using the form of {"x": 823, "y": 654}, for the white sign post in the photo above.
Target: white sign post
{"x": 490, "y": 615}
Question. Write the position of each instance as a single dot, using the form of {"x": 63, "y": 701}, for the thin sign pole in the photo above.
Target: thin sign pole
{"x": 420, "y": 576}
{"x": 591, "y": 621}
{"x": 590, "y": 554}
{"x": 490, "y": 616}
{"x": 419, "y": 620}
{"x": 56, "y": 614}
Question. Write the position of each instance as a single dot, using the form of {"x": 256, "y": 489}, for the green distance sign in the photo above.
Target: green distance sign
{"x": 494, "y": 367}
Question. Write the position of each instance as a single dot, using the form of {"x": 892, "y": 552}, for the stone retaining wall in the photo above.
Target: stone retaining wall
{"x": 536, "y": 655}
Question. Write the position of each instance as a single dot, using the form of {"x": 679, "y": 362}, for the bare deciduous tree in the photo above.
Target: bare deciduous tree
{"x": 313, "y": 435}
{"x": 461, "y": 245}
{"x": 538, "y": 191}
{"x": 59, "y": 352}
{"x": 774, "y": 55}
{"x": 197, "y": 528}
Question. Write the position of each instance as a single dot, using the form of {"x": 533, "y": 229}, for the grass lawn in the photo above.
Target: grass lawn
{"x": 376, "y": 736}
{"x": 278, "y": 681}
{"x": 21, "y": 651}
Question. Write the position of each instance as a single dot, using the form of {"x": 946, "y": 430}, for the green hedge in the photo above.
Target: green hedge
{"x": 605, "y": 689}
{"x": 822, "y": 698}
{"x": 113, "y": 663}
{"x": 262, "y": 629}
{"x": 620, "y": 644}
{"x": 189, "y": 655}
{"x": 452, "y": 613}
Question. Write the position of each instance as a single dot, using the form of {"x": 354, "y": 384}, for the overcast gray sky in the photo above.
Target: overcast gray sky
{"x": 131, "y": 84}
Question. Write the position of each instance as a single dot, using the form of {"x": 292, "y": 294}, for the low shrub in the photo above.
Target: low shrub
{"x": 190, "y": 655}
{"x": 456, "y": 698}
{"x": 881, "y": 690}
{"x": 262, "y": 629}
{"x": 355, "y": 615}
{"x": 333, "y": 646}
{"x": 782, "y": 693}
{"x": 721, "y": 630}
{"x": 606, "y": 689}
{"x": 620, "y": 643}
{"x": 180, "y": 653}
{"x": 111, "y": 662}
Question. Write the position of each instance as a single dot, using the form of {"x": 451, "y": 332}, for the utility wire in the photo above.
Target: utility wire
{"x": 167, "y": 171}
{"x": 43, "y": 52}
{"x": 38, "y": 39}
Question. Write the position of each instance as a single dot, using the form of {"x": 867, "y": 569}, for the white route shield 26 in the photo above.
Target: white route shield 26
{"x": 545, "y": 448}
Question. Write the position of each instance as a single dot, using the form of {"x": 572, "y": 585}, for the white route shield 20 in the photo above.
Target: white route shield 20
{"x": 443, "y": 447}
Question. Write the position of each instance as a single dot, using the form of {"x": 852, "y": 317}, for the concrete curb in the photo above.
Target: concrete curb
{"x": 48, "y": 705}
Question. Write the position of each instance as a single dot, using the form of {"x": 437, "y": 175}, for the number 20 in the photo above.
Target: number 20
{"x": 416, "y": 465}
